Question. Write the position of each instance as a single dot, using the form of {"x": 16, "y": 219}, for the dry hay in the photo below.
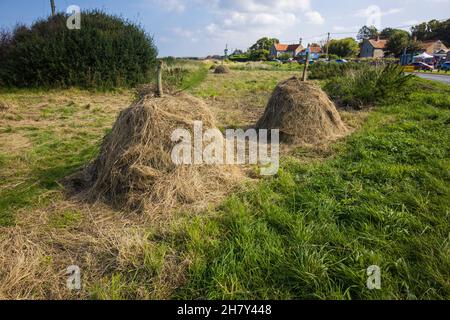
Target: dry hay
{"x": 135, "y": 170}
{"x": 222, "y": 69}
{"x": 4, "y": 106}
{"x": 35, "y": 254}
{"x": 303, "y": 113}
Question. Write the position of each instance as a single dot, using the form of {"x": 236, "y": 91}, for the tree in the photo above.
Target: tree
{"x": 259, "y": 55}
{"x": 347, "y": 47}
{"x": 367, "y": 33}
{"x": 414, "y": 47}
{"x": 386, "y": 33}
{"x": 264, "y": 44}
{"x": 433, "y": 30}
{"x": 397, "y": 42}
{"x": 284, "y": 57}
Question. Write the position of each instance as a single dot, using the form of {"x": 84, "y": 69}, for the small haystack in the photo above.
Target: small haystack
{"x": 135, "y": 171}
{"x": 222, "y": 69}
{"x": 303, "y": 113}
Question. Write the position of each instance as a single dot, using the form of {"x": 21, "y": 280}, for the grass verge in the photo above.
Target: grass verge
{"x": 311, "y": 232}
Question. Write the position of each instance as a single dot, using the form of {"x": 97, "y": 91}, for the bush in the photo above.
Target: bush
{"x": 368, "y": 85}
{"x": 106, "y": 52}
{"x": 323, "y": 71}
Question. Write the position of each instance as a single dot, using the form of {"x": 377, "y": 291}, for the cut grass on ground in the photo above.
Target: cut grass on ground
{"x": 381, "y": 197}
{"x": 312, "y": 232}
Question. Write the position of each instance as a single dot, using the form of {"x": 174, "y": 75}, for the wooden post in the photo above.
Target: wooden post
{"x": 328, "y": 47}
{"x": 159, "y": 78}
{"x": 52, "y": 4}
{"x": 305, "y": 70}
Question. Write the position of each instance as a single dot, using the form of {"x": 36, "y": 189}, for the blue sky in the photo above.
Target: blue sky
{"x": 203, "y": 27}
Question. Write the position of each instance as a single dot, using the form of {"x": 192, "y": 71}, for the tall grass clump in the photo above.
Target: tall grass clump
{"x": 323, "y": 71}
{"x": 183, "y": 74}
{"x": 368, "y": 85}
{"x": 106, "y": 52}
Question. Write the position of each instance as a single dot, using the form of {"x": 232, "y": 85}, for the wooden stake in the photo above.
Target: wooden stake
{"x": 328, "y": 47}
{"x": 52, "y": 4}
{"x": 159, "y": 78}
{"x": 305, "y": 70}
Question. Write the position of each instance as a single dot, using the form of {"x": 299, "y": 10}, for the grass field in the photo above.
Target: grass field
{"x": 378, "y": 197}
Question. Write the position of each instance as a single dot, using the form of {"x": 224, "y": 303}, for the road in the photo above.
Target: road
{"x": 435, "y": 77}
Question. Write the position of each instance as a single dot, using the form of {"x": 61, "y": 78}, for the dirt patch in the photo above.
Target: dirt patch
{"x": 303, "y": 113}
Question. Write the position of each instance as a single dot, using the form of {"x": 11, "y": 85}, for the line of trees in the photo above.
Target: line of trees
{"x": 259, "y": 51}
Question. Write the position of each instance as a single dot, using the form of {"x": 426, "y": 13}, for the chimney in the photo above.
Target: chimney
{"x": 415, "y": 38}
{"x": 300, "y": 41}
{"x": 378, "y": 38}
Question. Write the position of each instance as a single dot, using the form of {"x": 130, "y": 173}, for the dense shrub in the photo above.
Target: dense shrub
{"x": 323, "y": 70}
{"x": 106, "y": 52}
{"x": 368, "y": 85}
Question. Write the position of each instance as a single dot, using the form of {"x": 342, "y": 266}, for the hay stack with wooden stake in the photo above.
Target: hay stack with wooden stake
{"x": 222, "y": 69}
{"x": 135, "y": 171}
{"x": 303, "y": 113}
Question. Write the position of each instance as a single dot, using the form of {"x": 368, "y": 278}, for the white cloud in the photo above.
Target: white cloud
{"x": 371, "y": 10}
{"x": 241, "y": 22}
{"x": 314, "y": 17}
{"x": 264, "y": 5}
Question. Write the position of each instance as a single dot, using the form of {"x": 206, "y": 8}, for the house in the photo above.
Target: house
{"x": 373, "y": 48}
{"x": 279, "y": 49}
{"x": 315, "y": 51}
{"x": 433, "y": 47}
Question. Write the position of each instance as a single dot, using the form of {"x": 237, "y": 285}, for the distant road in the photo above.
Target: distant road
{"x": 435, "y": 77}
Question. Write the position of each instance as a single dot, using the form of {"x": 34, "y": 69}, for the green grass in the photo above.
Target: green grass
{"x": 312, "y": 231}
{"x": 51, "y": 158}
{"x": 266, "y": 66}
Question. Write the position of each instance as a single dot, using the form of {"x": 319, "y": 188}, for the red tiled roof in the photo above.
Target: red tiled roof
{"x": 287, "y": 47}
{"x": 281, "y": 47}
{"x": 378, "y": 44}
{"x": 315, "y": 49}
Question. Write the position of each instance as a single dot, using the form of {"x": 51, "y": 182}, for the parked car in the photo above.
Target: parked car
{"x": 340, "y": 61}
{"x": 422, "y": 66}
{"x": 445, "y": 66}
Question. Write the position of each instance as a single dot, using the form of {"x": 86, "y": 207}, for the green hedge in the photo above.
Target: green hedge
{"x": 106, "y": 52}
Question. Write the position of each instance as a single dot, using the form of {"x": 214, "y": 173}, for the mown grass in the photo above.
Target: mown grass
{"x": 63, "y": 134}
{"x": 51, "y": 159}
{"x": 312, "y": 231}
{"x": 309, "y": 233}
{"x": 266, "y": 66}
